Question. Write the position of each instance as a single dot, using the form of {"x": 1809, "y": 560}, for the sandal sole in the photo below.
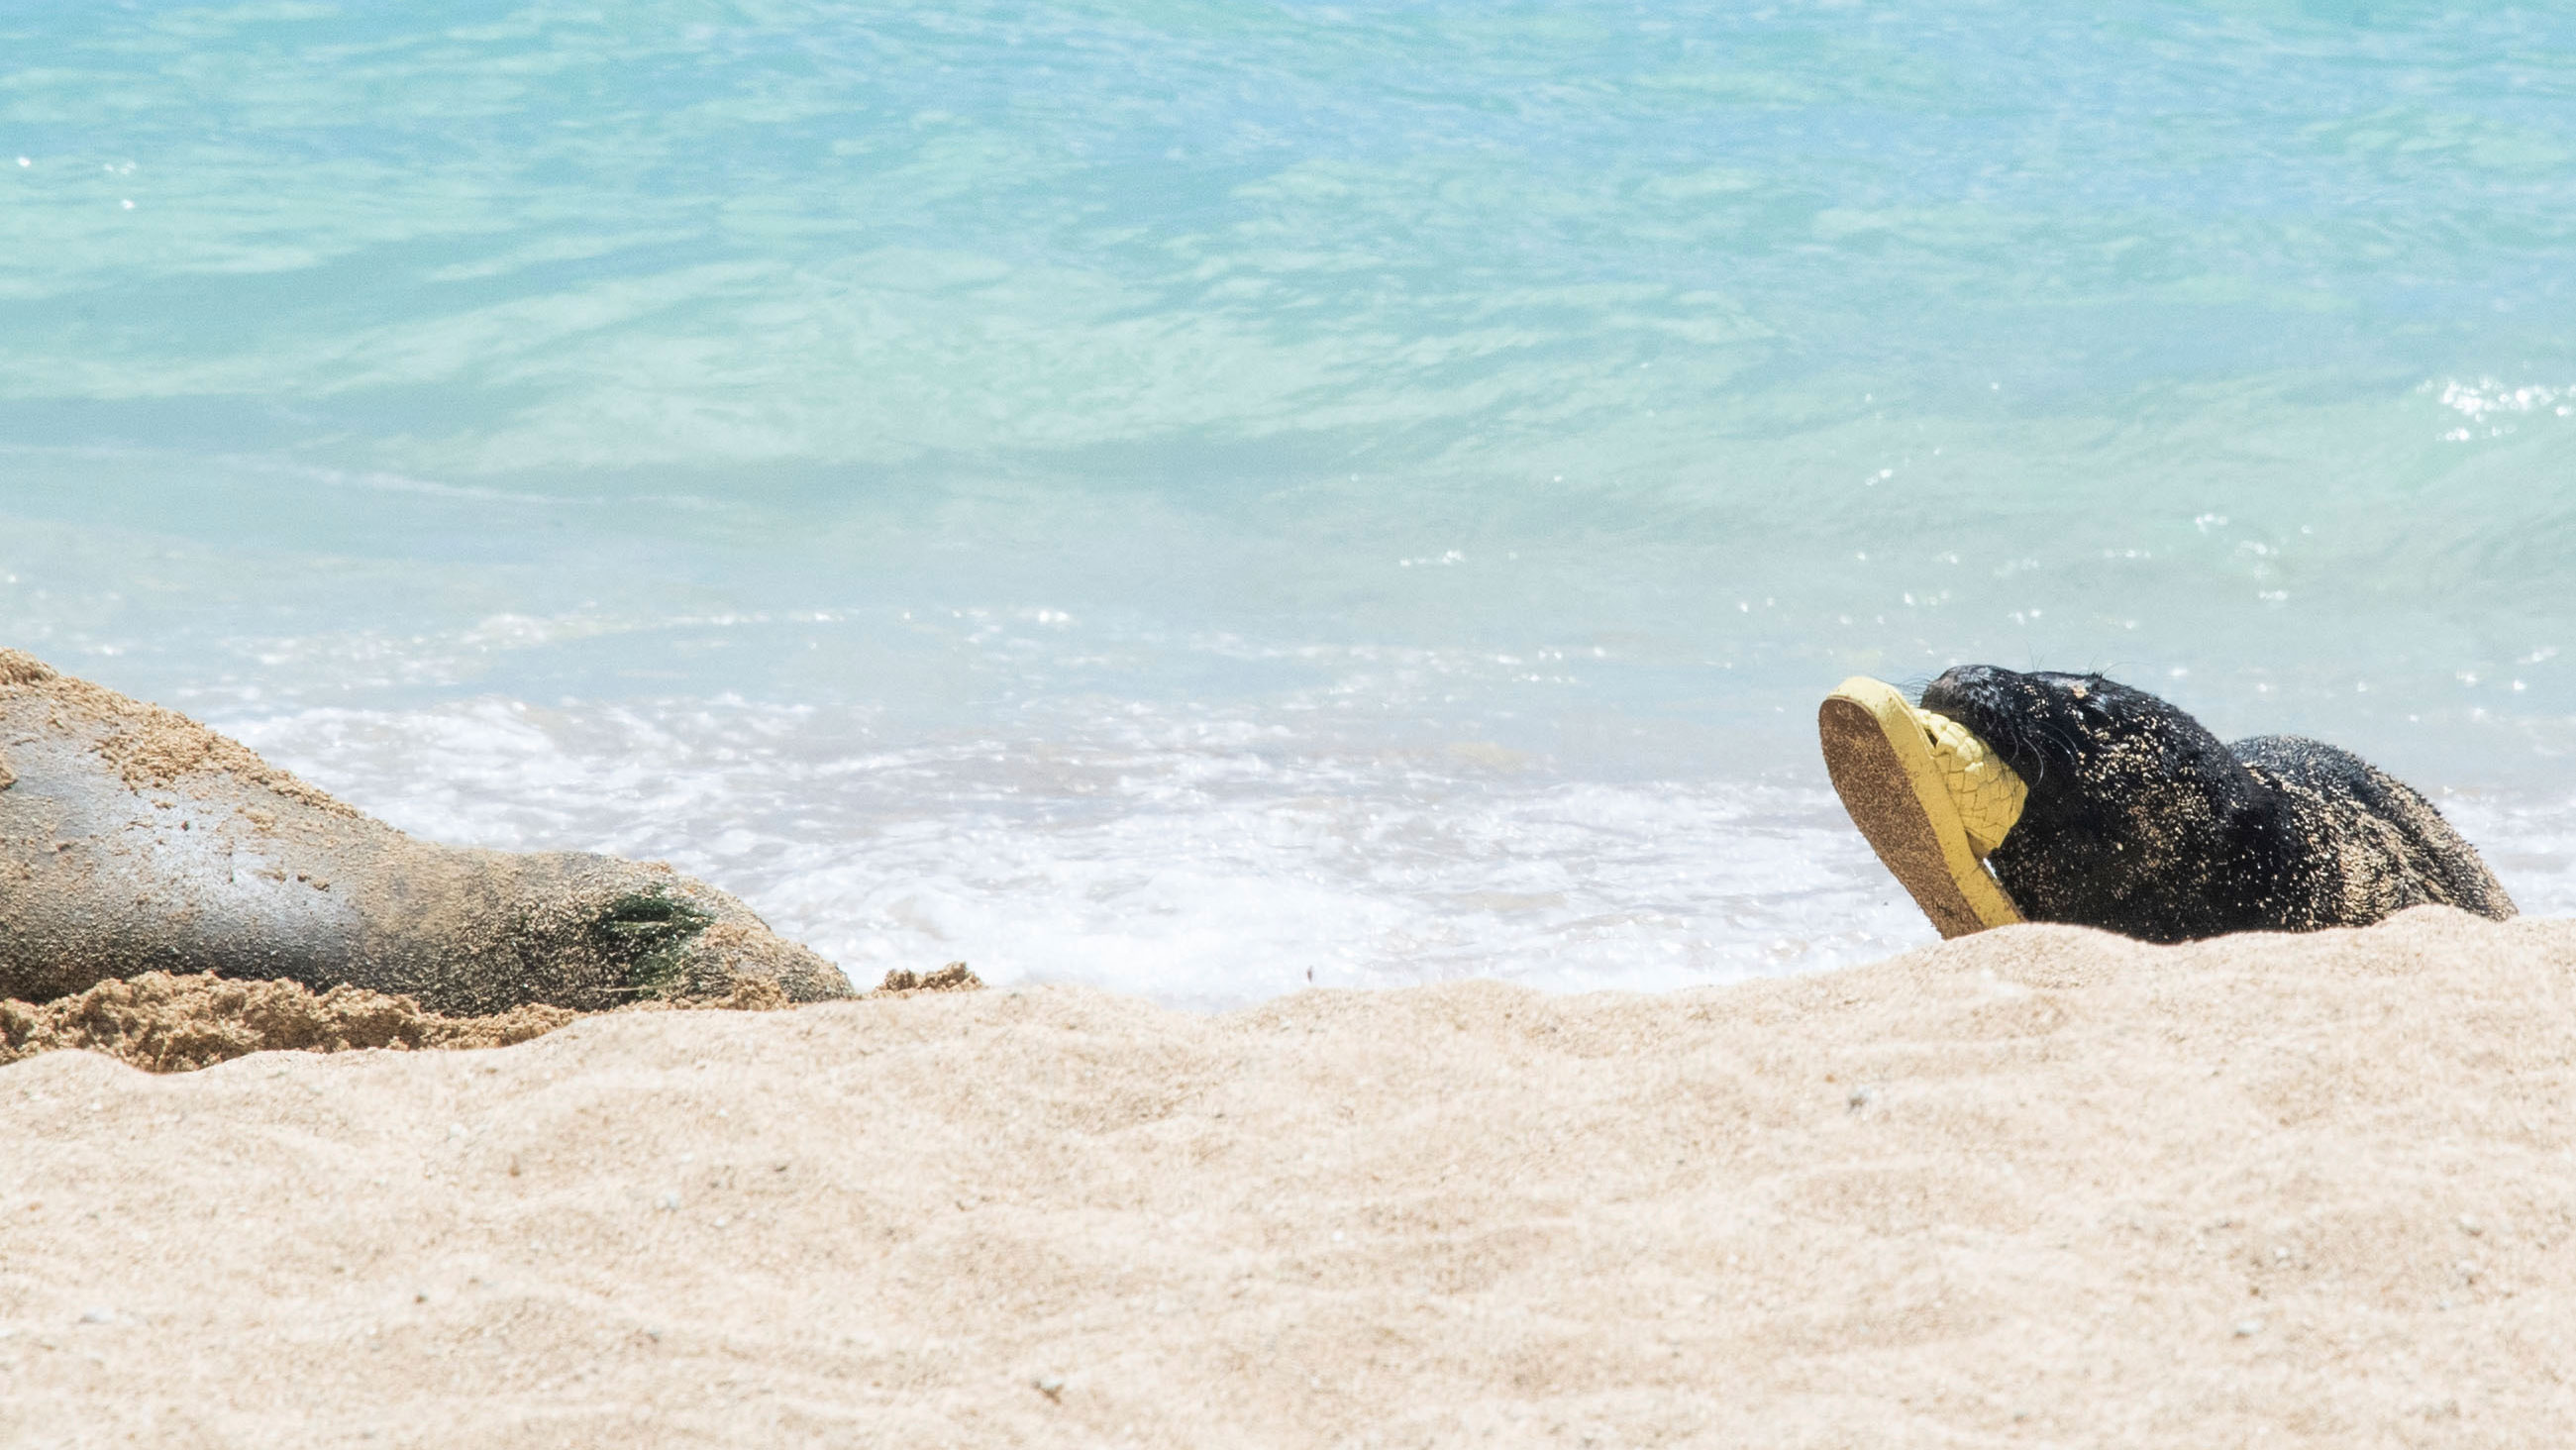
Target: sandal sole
{"x": 1882, "y": 767}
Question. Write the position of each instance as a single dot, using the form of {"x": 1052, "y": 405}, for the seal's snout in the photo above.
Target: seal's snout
{"x": 649, "y": 932}
{"x": 2040, "y": 722}
{"x": 1969, "y": 677}
{"x": 1990, "y": 701}
{"x": 1967, "y": 688}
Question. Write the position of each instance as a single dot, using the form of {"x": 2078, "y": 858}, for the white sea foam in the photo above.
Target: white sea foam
{"x": 2528, "y": 840}
{"x": 1203, "y": 862}
{"x": 1200, "y": 863}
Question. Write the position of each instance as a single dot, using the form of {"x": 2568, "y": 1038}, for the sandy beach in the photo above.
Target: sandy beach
{"x": 2041, "y": 1186}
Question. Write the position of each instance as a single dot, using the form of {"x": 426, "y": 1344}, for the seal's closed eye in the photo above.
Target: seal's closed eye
{"x": 649, "y": 916}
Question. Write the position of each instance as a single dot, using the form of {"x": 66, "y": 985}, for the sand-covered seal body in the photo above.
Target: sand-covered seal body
{"x": 2140, "y": 821}
{"x": 133, "y": 839}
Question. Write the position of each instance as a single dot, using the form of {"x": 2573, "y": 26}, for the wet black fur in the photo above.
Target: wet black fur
{"x": 2142, "y": 822}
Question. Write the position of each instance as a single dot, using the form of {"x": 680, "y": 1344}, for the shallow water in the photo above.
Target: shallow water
{"x": 1204, "y": 498}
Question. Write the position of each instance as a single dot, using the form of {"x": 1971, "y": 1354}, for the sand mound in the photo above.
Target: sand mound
{"x": 2039, "y": 1186}
{"x": 165, "y": 1023}
{"x": 954, "y": 977}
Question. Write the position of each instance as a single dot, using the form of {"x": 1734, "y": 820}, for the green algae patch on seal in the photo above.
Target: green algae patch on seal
{"x": 648, "y": 930}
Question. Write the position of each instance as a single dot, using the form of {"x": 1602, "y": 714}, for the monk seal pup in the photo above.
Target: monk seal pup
{"x": 133, "y": 838}
{"x": 2140, "y": 821}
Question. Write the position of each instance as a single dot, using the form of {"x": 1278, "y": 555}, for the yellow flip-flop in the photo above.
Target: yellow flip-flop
{"x": 1931, "y": 798}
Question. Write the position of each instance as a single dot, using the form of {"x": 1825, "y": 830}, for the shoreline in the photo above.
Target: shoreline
{"x": 2035, "y": 1186}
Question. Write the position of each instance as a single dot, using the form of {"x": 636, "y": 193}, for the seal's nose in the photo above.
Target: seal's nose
{"x": 1960, "y": 686}
{"x": 1965, "y": 677}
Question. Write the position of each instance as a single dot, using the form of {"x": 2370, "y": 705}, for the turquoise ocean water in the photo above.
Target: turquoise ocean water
{"x": 1201, "y": 498}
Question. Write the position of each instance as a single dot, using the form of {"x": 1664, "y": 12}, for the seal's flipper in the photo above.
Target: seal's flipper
{"x": 1881, "y": 756}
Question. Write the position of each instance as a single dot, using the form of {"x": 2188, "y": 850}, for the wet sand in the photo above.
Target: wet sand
{"x": 2038, "y": 1186}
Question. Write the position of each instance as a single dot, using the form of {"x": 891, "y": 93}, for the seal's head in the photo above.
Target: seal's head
{"x": 651, "y": 932}
{"x": 582, "y": 931}
{"x": 2132, "y": 802}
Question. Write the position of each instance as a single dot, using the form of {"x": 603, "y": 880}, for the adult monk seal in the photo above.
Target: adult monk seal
{"x": 133, "y": 838}
{"x": 2140, "y": 821}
